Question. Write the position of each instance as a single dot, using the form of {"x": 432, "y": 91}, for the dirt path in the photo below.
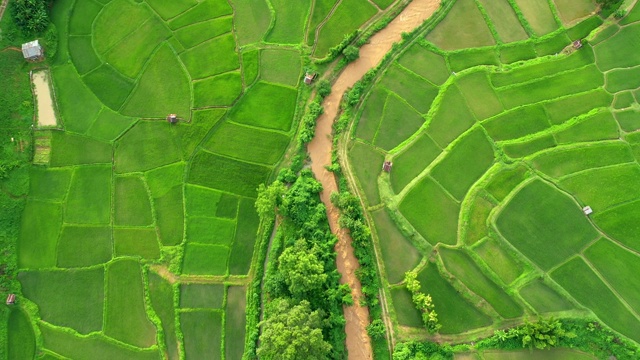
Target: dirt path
{"x": 3, "y": 7}
{"x": 357, "y": 318}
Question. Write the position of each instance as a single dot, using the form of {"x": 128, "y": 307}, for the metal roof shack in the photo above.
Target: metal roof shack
{"x": 32, "y": 51}
{"x": 387, "y": 166}
{"x": 577, "y": 44}
{"x": 11, "y": 299}
{"x": 309, "y": 77}
{"x": 172, "y": 118}
{"x": 587, "y": 210}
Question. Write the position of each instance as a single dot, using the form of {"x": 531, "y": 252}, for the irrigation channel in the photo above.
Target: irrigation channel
{"x": 357, "y": 317}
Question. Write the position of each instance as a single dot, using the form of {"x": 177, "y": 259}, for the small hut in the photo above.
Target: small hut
{"x": 587, "y": 210}
{"x": 32, "y": 51}
{"x": 387, "y": 166}
{"x": 11, "y": 299}
{"x": 172, "y": 118}
{"x": 309, "y": 77}
{"x": 577, "y": 44}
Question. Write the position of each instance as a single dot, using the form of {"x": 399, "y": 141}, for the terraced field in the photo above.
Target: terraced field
{"x": 149, "y": 228}
{"x": 500, "y": 131}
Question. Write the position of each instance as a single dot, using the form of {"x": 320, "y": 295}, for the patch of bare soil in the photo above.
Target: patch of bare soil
{"x": 357, "y": 318}
{"x": 42, "y": 91}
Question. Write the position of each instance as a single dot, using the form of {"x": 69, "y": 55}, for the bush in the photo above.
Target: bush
{"x": 30, "y": 15}
{"x": 324, "y": 88}
{"x": 351, "y": 53}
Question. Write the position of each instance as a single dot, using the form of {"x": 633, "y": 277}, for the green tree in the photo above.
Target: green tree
{"x": 302, "y": 270}
{"x": 351, "y": 53}
{"x": 423, "y": 302}
{"x": 269, "y": 198}
{"x": 30, "y": 15}
{"x": 323, "y": 87}
{"x": 292, "y": 332}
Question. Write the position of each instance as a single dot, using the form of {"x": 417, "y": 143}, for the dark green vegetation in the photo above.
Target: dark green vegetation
{"x": 517, "y": 132}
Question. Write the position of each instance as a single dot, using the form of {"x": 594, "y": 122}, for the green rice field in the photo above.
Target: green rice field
{"x": 521, "y": 131}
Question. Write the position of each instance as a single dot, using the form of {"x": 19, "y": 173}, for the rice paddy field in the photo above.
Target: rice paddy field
{"x": 501, "y": 131}
{"x": 138, "y": 235}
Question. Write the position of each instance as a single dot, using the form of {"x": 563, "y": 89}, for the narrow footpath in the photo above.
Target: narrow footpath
{"x": 357, "y": 318}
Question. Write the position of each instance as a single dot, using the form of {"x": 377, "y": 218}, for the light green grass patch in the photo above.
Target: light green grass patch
{"x": 244, "y": 241}
{"x": 516, "y": 123}
{"x": 632, "y": 16}
{"x": 201, "y": 202}
{"x": 565, "y": 161}
{"x": 170, "y": 9}
{"x": 571, "y": 10}
{"x": 95, "y": 346}
{"x": 205, "y": 259}
{"x": 154, "y": 140}
{"x": 118, "y": 19}
{"x": 280, "y": 66}
{"x": 398, "y": 253}
{"x": 21, "y": 340}
{"x": 51, "y": 291}
{"x": 563, "y": 109}
{"x": 410, "y": 163}
{"x": 552, "y": 354}
{"x": 250, "y": 66}
{"x": 410, "y": 87}
{"x": 109, "y": 125}
{"x": 126, "y": 318}
{"x": 89, "y": 199}
{"x": 601, "y": 126}
{"x": 161, "y": 297}
{"x": 468, "y": 58}
{"x": 538, "y": 15}
{"x": 480, "y": 95}
{"x": 499, "y": 260}
{"x": 502, "y": 183}
{"x": 162, "y": 89}
{"x": 163, "y": 179}
{"x": 205, "y": 10}
{"x": 192, "y": 35}
{"x": 109, "y": 86}
{"x": 622, "y": 79}
{"x": 130, "y": 54}
{"x": 543, "y": 298}
{"x": 425, "y": 63}
{"x": 464, "y": 27}
{"x": 82, "y": 16}
{"x": 455, "y": 314}
{"x": 211, "y": 231}
{"x": 347, "y": 17}
{"x": 452, "y": 118}
{"x": 629, "y": 120}
{"x": 620, "y": 223}
{"x": 615, "y": 52}
{"x": 235, "y": 322}
{"x": 132, "y": 206}
{"x": 371, "y": 115}
{"x": 190, "y": 135}
{"x": 477, "y": 226}
{"x": 398, "y": 123}
{"x": 504, "y": 19}
{"x": 274, "y": 104}
{"x": 517, "y": 52}
{"x": 247, "y": 143}
{"x": 528, "y": 147}
{"x": 141, "y": 242}
{"x": 201, "y": 296}
{"x": 49, "y": 184}
{"x": 289, "y": 25}
{"x": 406, "y": 312}
{"x": 41, "y": 223}
{"x": 71, "y": 91}
{"x": 604, "y": 33}
{"x": 552, "y": 87}
{"x": 69, "y": 149}
{"x": 366, "y": 163}
{"x": 227, "y": 206}
{"x": 584, "y": 28}
{"x": 221, "y": 90}
{"x": 545, "y": 224}
{"x": 604, "y": 187}
{"x": 618, "y": 267}
{"x": 466, "y": 162}
{"x": 83, "y": 55}
{"x": 82, "y": 246}
{"x": 252, "y": 20}
{"x": 592, "y": 293}
{"x": 202, "y": 331}
{"x": 432, "y": 212}
{"x": 198, "y": 59}
{"x": 553, "y": 44}
{"x": 623, "y": 100}
{"x": 170, "y": 216}
{"x": 462, "y": 266}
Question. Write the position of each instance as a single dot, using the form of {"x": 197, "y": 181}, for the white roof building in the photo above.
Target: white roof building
{"x": 32, "y": 50}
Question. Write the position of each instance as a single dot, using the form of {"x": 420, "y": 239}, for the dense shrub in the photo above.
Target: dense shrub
{"x": 30, "y": 15}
